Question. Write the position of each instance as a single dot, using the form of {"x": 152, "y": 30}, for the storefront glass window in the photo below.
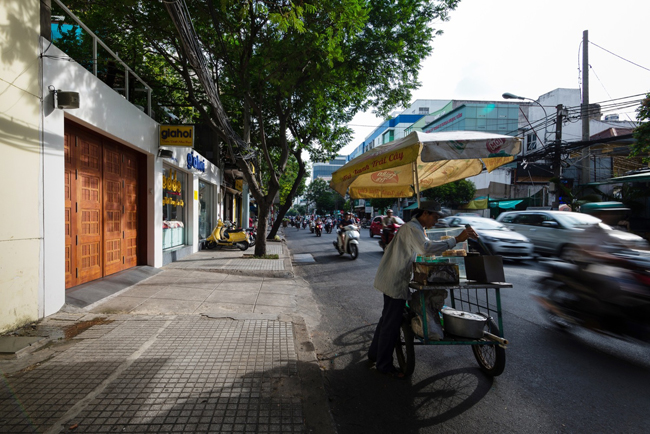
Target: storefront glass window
{"x": 174, "y": 203}
{"x": 206, "y": 222}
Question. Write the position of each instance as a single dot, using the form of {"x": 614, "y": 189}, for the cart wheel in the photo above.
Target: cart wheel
{"x": 491, "y": 358}
{"x": 404, "y": 349}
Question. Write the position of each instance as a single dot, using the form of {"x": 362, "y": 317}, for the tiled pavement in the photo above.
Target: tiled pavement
{"x": 164, "y": 374}
{"x": 183, "y": 351}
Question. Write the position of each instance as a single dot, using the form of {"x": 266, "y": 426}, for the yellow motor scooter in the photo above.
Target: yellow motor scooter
{"x": 224, "y": 236}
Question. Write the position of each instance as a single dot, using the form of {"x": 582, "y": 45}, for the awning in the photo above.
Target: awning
{"x": 478, "y": 203}
{"x": 412, "y": 206}
{"x": 505, "y": 204}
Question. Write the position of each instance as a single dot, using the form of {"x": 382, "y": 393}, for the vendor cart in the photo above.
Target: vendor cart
{"x": 469, "y": 296}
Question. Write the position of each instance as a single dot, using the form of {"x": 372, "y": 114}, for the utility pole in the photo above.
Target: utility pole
{"x": 557, "y": 154}
{"x": 584, "y": 112}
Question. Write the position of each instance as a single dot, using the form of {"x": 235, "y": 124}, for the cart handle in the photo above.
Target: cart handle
{"x": 495, "y": 338}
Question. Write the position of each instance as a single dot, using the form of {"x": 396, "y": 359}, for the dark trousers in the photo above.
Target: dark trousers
{"x": 385, "y": 234}
{"x": 387, "y": 333}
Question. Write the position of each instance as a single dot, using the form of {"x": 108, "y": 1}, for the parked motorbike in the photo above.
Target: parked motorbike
{"x": 393, "y": 228}
{"x": 612, "y": 298}
{"x": 351, "y": 242}
{"x": 252, "y": 235}
{"x": 223, "y": 235}
{"x": 319, "y": 229}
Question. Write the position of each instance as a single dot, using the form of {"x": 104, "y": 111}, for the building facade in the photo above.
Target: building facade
{"x": 96, "y": 195}
{"x": 325, "y": 170}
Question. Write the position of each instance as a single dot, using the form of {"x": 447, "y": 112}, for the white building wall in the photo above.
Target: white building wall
{"x": 103, "y": 110}
{"x": 571, "y": 131}
{"x": 483, "y": 179}
{"x": 21, "y": 238}
{"x": 432, "y": 104}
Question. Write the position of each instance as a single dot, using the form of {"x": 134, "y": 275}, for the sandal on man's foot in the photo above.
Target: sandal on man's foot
{"x": 393, "y": 374}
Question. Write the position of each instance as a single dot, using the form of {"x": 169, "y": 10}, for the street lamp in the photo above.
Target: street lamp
{"x": 509, "y": 95}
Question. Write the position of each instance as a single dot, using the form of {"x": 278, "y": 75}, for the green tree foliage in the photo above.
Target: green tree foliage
{"x": 382, "y": 204}
{"x": 288, "y": 179}
{"x": 320, "y": 194}
{"x": 452, "y": 194}
{"x": 288, "y": 75}
{"x": 642, "y": 133}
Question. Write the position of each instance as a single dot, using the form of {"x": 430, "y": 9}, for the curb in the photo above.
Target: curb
{"x": 316, "y": 409}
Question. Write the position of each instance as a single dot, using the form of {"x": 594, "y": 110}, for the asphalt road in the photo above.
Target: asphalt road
{"x": 553, "y": 381}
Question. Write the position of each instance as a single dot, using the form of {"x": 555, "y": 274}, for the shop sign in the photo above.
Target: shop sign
{"x": 172, "y": 186}
{"x": 193, "y": 161}
{"x": 176, "y": 135}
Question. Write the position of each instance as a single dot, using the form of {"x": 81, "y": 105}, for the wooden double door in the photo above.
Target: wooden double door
{"x": 101, "y": 206}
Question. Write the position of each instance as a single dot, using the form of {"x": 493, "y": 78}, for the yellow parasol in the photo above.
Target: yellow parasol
{"x": 420, "y": 161}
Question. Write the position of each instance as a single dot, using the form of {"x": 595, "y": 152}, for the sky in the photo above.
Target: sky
{"x": 529, "y": 48}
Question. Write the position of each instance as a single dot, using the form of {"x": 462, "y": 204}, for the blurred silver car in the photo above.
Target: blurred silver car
{"x": 560, "y": 232}
{"x": 499, "y": 239}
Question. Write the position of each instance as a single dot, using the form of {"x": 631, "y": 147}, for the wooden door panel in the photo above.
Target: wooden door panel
{"x": 101, "y": 198}
{"x": 130, "y": 176}
{"x": 89, "y": 209}
{"x": 113, "y": 218}
{"x": 70, "y": 227}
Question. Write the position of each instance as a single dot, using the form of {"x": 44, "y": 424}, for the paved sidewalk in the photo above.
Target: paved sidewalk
{"x": 213, "y": 343}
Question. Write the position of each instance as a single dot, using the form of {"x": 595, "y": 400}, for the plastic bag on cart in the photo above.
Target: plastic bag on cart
{"x": 434, "y": 300}
{"x": 435, "y": 329}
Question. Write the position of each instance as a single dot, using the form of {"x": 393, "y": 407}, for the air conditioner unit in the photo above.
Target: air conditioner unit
{"x": 66, "y": 100}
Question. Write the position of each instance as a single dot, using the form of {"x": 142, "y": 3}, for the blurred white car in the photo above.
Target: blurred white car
{"x": 560, "y": 232}
{"x": 499, "y": 239}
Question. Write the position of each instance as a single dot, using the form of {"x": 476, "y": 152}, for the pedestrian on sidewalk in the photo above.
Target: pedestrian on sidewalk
{"x": 394, "y": 274}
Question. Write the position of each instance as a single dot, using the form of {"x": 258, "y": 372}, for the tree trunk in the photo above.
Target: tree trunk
{"x": 282, "y": 211}
{"x": 262, "y": 225}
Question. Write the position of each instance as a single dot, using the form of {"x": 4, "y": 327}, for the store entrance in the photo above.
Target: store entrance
{"x": 101, "y": 206}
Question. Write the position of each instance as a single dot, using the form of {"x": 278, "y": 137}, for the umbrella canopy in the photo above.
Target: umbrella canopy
{"x": 420, "y": 161}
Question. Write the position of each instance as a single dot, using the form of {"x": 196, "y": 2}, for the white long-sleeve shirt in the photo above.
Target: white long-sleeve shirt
{"x": 394, "y": 273}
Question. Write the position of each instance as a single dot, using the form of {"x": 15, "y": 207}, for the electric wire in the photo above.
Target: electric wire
{"x": 620, "y": 57}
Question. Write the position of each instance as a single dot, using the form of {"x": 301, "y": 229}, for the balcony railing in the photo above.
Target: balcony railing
{"x": 118, "y": 80}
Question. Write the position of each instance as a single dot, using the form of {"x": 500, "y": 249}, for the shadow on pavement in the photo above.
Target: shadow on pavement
{"x": 364, "y": 401}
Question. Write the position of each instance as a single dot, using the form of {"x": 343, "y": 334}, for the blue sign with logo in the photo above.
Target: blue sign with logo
{"x": 194, "y": 162}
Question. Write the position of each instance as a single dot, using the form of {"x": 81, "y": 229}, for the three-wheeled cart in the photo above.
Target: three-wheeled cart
{"x": 480, "y": 298}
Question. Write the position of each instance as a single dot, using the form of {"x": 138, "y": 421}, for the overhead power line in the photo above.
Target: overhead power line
{"x": 620, "y": 57}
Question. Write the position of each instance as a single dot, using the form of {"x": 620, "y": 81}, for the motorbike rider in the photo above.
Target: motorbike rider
{"x": 328, "y": 224}
{"x": 387, "y": 221}
{"x": 347, "y": 220}
{"x": 393, "y": 277}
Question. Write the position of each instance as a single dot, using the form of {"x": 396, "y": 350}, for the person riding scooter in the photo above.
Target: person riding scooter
{"x": 387, "y": 224}
{"x": 328, "y": 225}
{"x": 347, "y": 220}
